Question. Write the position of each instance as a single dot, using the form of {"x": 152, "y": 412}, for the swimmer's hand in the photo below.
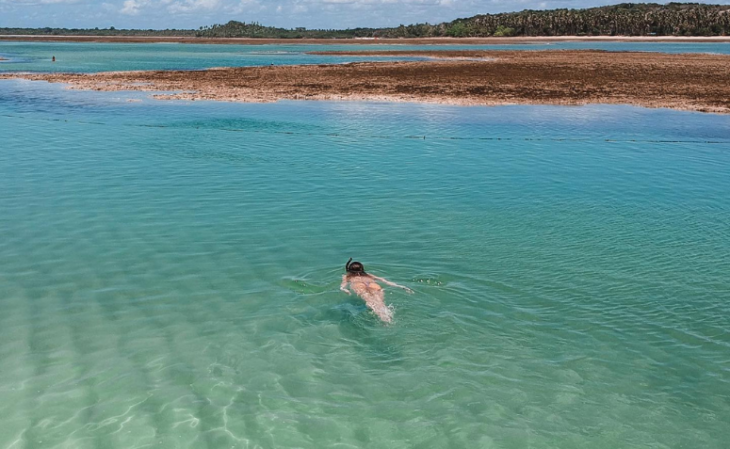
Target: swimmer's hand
{"x": 392, "y": 284}
{"x": 343, "y": 285}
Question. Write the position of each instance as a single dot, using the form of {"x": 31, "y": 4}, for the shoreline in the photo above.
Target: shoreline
{"x": 366, "y": 41}
{"x": 693, "y": 82}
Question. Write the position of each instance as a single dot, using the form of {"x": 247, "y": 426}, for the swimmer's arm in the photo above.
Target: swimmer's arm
{"x": 392, "y": 284}
{"x": 343, "y": 285}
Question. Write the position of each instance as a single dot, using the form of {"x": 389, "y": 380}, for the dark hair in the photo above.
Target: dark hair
{"x": 354, "y": 267}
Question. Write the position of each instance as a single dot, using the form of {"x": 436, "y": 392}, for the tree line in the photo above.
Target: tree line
{"x": 626, "y": 19}
{"x": 111, "y": 31}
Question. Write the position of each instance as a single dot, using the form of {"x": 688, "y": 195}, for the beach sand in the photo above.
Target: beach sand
{"x": 695, "y": 82}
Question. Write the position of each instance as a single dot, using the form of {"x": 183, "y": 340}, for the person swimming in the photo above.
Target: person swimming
{"x": 366, "y": 287}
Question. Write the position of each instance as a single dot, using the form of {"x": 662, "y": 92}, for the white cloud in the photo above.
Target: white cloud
{"x": 38, "y": 2}
{"x": 245, "y": 6}
{"x": 132, "y": 7}
{"x": 189, "y": 6}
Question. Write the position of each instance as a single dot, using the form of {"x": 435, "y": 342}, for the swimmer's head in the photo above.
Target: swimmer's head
{"x": 354, "y": 267}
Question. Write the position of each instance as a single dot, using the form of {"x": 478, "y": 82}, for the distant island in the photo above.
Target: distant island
{"x": 626, "y": 19}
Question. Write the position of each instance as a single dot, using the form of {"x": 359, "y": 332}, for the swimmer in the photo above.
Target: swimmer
{"x": 366, "y": 287}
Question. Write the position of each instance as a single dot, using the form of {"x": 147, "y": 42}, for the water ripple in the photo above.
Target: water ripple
{"x": 176, "y": 285}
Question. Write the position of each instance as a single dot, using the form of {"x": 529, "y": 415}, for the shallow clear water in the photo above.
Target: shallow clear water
{"x": 98, "y": 57}
{"x": 170, "y": 274}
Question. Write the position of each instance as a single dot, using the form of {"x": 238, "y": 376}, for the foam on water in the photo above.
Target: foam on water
{"x": 170, "y": 274}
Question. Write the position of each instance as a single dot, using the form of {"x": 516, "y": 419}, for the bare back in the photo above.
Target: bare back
{"x": 371, "y": 292}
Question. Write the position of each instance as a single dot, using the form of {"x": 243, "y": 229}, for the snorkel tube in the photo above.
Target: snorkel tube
{"x": 355, "y": 268}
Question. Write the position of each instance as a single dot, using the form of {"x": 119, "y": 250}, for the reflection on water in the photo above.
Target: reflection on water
{"x": 170, "y": 274}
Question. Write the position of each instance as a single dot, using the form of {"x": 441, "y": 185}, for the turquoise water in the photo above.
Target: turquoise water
{"x": 97, "y": 57}
{"x": 170, "y": 270}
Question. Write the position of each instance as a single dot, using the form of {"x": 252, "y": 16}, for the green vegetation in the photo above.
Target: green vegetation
{"x": 503, "y": 31}
{"x": 111, "y": 31}
{"x": 626, "y": 19}
{"x": 256, "y": 30}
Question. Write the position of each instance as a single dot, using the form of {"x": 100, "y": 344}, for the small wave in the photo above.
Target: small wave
{"x": 274, "y": 52}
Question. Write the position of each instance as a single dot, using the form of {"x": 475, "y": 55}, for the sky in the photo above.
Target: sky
{"x": 163, "y": 14}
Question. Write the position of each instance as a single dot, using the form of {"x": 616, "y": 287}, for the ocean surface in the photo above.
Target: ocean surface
{"x": 169, "y": 274}
{"x": 99, "y": 57}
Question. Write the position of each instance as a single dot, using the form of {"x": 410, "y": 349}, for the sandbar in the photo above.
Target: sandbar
{"x": 695, "y": 82}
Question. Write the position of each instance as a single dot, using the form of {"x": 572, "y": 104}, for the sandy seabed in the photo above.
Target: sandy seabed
{"x": 696, "y": 82}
